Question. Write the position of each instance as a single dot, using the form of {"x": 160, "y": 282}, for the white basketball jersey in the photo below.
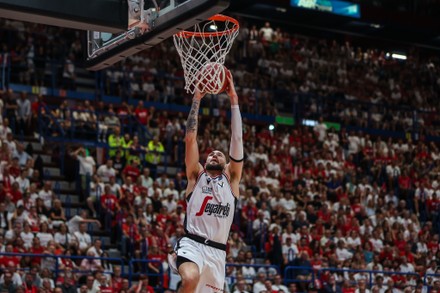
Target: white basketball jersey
{"x": 210, "y": 208}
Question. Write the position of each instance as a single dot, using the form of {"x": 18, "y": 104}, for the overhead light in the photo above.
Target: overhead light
{"x": 281, "y": 9}
{"x": 271, "y": 127}
{"x": 398, "y": 56}
{"x": 213, "y": 27}
{"x": 375, "y": 25}
{"x": 308, "y": 122}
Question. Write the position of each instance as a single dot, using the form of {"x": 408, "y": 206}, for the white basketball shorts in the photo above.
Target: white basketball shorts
{"x": 211, "y": 262}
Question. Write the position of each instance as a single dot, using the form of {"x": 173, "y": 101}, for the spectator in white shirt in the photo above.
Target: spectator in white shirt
{"x": 87, "y": 164}
{"x": 74, "y": 223}
{"x": 362, "y": 287}
{"x": 46, "y": 194}
{"x": 96, "y": 250}
{"x": 147, "y": 181}
{"x": 405, "y": 266}
{"x": 343, "y": 253}
{"x": 63, "y": 236}
{"x": 27, "y": 235}
{"x": 171, "y": 190}
{"x": 23, "y": 181}
{"x": 321, "y": 130}
{"x": 44, "y": 235}
{"x": 290, "y": 251}
{"x": 288, "y": 202}
{"x": 266, "y": 33}
{"x": 83, "y": 237}
{"x": 106, "y": 171}
{"x": 354, "y": 241}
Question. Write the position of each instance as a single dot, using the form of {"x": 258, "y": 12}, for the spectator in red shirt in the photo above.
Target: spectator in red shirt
{"x": 123, "y": 113}
{"x": 324, "y": 213}
{"x": 6, "y": 260}
{"x": 117, "y": 278}
{"x": 109, "y": 202}
{"x": 142, "y": 286}
{"x": 249, "y": 212}
{"x": 15, "y": 193}
{"x": 142, "y": 113}
{"x": 155, "y": 267}
{"x": 132, "y": 171}
{"x": 104, "y": 284}
{"x": 304, "y": 247}
{"x": 14, "y": 168}
{"x": 36, "y": 249}
{"x": 132, "y": 236}
{"x": 28, "y": 284}
{"x": 109, "y": 206}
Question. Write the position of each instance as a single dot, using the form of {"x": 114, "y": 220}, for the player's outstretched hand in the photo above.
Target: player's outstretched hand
{"x": 230, "y": 89}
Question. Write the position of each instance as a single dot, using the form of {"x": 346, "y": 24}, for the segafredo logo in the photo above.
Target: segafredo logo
{"x": 215, "y": 209}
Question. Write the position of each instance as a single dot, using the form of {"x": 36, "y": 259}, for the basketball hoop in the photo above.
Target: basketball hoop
{"x": 208, "y": 42}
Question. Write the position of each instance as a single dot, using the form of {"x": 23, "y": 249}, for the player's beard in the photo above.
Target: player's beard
{"x": 214, "y": 167}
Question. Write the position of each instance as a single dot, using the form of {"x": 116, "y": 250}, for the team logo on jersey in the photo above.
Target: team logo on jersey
{"x": 220, "y": 184}
{"x": 206, "y": 189}
{"x": 214, "y": 209}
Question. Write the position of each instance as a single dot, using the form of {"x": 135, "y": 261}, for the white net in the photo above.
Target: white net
{"x": 208, "y": 42}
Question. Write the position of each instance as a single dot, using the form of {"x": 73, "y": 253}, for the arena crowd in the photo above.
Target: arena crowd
{"x": 310, "y": 197}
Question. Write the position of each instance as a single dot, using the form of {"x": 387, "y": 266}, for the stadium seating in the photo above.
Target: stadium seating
{"x": 331, "y": 208}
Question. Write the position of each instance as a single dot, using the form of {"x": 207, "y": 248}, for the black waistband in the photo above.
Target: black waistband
{"x": 205, "y": 241}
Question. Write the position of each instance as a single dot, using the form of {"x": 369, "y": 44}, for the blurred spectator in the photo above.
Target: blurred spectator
{"x": 115, "y": 141}
{"x": 106, "y": 171}
{"x": 155, "y": 150}
{"x": 83, "y": 238}
{"x": 69, "y": 76}
{"x": 24, "y": 114}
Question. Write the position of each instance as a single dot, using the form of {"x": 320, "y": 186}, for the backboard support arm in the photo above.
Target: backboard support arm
{"x": 149, "y": 27}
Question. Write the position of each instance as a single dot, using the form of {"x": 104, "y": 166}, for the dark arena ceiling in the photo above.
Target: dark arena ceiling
{"x": 402, "y": 23}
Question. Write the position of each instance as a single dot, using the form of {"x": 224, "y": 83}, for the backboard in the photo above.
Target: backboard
{"x": 149, "y": 23}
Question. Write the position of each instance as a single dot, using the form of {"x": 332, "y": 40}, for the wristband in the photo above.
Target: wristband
{"x": 235, "y": 106}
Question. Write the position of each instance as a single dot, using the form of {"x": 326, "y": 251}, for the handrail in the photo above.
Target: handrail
{"x": 314, "y": 272}
{"x": 57, "y": 270}
{"x": 425, "y": 276}
{"x": 296, "y": 112}
{"x": 370, "y": 273}
{"x": 133, "y": 124}
{"x": 258, "y": 266}
{"x": 288, "y": 268}
{"x": 49, "y": 113}
{"x": 160, "y": 286}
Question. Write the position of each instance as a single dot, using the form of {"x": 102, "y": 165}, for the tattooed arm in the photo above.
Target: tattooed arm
{"x": 193, "y": 166}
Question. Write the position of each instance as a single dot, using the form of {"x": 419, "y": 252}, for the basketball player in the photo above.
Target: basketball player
{"x": 211, "y": 197}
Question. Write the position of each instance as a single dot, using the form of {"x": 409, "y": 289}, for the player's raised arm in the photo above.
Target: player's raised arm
{"x": 193, "y": 166}
{"x": 236, "y": 154}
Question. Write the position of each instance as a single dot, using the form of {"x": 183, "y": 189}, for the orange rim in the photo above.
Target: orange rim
{"x": 217, "y": 17}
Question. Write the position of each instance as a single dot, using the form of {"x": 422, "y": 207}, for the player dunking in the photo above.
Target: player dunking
{"x": 211, "y": 197}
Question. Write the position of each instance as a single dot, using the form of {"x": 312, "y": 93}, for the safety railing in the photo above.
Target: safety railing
{"x": 299, "y": 274}
{"x": 56, "y": 263}
{"x": 298, "y": 106}
{"x": 142, "y": 268}
{"x": 412, "y": 277}
{"x": 269, "y": 270}
{"x": 428, "y": 279}
{"x": 133, "y": 268}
